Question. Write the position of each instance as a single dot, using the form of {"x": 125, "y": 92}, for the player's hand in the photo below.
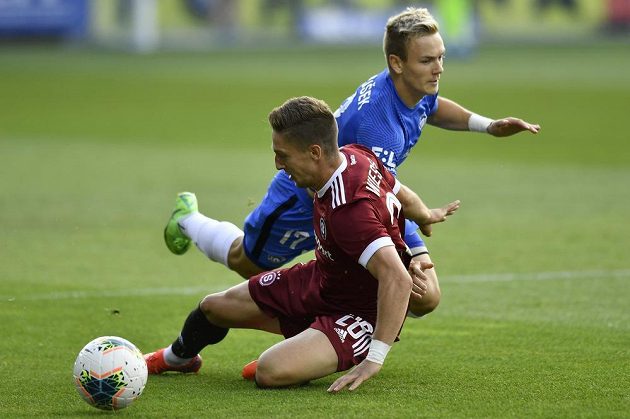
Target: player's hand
{"x": 362, "y": 372}
{"x": 438, "y": 215}
{"x": 510, "y": 126}
{"x": 419, "y": 278}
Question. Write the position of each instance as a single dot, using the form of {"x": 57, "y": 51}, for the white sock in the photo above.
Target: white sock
{"x": 173, "y": 360}
{"x": 214, "y": 238}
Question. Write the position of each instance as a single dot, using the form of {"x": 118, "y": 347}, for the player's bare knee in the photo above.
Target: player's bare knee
{"x": 431, "y": 301}
{"x": 211, "y": 304}
{"x": 269, "y": 375}
{"x": 428, "y": 303}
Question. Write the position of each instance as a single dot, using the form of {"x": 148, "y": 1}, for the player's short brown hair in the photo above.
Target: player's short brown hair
{"x": 306, "y": 121}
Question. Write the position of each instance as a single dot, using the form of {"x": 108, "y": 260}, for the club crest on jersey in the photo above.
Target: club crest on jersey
{"x": 268, "y": 278}
{"x": 322, "y": 228}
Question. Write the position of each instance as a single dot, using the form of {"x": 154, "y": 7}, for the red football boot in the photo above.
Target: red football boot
{"x": 249, "y": 370}
{"x": 157, "y": 365}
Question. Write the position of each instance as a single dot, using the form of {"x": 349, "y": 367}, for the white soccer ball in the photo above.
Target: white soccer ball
{"x": 110, "y": 373}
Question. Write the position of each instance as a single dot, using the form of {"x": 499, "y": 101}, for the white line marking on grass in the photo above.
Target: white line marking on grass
{"x": 203, "y": 290}
{"x": 537, "y": 276}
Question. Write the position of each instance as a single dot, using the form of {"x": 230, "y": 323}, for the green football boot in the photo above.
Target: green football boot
{"x": 176, "y": 241}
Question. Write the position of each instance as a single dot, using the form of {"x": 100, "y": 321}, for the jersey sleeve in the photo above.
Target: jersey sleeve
{"x": 359, "y": 231}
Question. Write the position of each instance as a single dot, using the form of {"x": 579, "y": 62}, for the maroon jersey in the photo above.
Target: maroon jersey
{"x": 355, "y": 214}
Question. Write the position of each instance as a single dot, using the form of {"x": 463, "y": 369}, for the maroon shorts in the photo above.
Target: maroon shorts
{"x": 292, "y": 296}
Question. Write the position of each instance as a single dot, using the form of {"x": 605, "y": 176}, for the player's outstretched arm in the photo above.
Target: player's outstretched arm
{"x": 451, "y": 115}
{"x": 414, "y": 207}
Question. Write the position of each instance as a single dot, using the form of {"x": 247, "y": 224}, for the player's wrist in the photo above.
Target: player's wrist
{"x": 378, "y": 351}
{"x": 478, "y": 123}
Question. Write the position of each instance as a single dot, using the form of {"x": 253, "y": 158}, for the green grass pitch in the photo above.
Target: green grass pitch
{"x": 534, "y": 268}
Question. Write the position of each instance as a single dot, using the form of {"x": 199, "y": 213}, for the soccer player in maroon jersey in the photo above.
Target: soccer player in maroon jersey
{"x": 345, "y": 308}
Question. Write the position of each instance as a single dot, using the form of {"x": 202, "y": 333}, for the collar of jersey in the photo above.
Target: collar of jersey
{"x": 341, "y": 168}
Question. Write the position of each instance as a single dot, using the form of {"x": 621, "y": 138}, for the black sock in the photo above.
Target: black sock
{"x": 196, "y": 334}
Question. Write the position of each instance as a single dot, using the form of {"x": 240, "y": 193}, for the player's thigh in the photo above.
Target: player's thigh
{"x": 236, "y": 308}
{"x": 239, "y": 261}
{"x": 307, "y": 356}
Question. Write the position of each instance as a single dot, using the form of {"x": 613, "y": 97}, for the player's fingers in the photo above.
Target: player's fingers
{"x": 419, "y": 284}
{"x": 420, "y": 292}
{"x": 417, "y": 274}
{"x": 339, "y": 384}
{"x": 356, "y": 383}
{"x": 453, "y": 206}
{"x": 449, "y": 209}
{"x": 416, "y": 295}
{"x": 426, "y": 265}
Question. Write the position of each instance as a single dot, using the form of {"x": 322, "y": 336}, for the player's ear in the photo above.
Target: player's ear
{"x": 316, "y": 151}
{"x": 395, "y": 63}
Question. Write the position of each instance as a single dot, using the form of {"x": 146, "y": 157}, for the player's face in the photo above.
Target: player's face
{"x": 424, "y": 65}
{"x": 297, "y": 163}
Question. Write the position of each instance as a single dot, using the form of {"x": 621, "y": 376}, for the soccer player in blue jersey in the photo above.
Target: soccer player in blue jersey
{"x": 386, "y": 114}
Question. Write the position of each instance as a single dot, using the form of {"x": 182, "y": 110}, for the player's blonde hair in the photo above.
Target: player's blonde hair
{"x": 306, "y": 121}
{"x": 407, "y": 25}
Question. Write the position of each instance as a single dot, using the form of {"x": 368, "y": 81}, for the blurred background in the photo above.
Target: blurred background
{"x": 149, "y": 25}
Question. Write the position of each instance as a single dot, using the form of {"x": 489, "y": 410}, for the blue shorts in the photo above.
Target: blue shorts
{"x": 281, "y": 227}
{"x": 413, "y": 239}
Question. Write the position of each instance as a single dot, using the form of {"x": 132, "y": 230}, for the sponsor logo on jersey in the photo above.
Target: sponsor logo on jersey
{"x": 324, "y": 252}
{"x": 388, "y": 157}
{"x": 268, "y": 278}
{"x": 322, "y": 227}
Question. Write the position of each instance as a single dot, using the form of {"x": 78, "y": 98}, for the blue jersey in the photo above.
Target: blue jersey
{"x": 374, "y": 116}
